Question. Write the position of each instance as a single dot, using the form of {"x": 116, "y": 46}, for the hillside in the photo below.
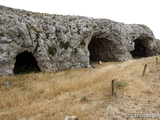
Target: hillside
{"x": 85, "y": 93}
{"x": 52, "y": 43}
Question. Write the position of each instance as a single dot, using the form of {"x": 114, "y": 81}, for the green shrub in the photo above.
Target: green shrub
{"x": 52, "y": 50}
{"x": 64, "y": 45}
{"x": 120, "y": 84}
{"x": 84, "y": 99}
{"x": 27, "y": 13}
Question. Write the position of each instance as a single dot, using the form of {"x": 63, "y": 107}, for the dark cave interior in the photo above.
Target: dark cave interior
{"x": 101, "y": 50}
{"x": 104, "y": 50}
{"x": 140, "y": 49}
{"x": 25, "y": 63}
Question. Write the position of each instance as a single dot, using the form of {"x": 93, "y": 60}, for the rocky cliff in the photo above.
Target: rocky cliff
{"x": 64, "y": 42}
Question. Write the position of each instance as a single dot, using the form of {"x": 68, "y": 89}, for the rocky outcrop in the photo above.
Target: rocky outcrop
{"x": 64, "y": 42}
{"x": 115, "y": 41}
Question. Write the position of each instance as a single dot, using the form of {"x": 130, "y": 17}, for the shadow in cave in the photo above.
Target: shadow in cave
{"x": 140, "y": 50}
{"x": 101, "y": 50}
{"x": 25, "y": 63}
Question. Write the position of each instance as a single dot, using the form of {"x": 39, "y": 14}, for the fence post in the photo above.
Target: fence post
{"x": 112, "y": 87}
{"x": 156, "y": 61}
{"x": 144, "y": 70}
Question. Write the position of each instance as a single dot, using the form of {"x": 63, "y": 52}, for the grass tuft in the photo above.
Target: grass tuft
{"x": 120, "y": 84}
{"x": 84, "y": 99}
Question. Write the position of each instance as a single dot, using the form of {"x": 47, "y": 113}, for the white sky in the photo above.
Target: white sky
{"x": 128, "y": 11}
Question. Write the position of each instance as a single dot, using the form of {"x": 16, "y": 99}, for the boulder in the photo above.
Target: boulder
{"x": 71, "y": 118}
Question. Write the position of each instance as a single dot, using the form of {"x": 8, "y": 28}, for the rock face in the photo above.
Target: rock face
{"x": 59, "y": 42}
{"x": 114, "y": 41}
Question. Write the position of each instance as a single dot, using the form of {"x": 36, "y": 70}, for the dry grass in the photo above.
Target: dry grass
{"x": 82, "y": 92}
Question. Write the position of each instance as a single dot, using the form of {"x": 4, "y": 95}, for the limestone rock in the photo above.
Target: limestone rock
{"x": 71, "y": 118}
{"x": 65, "y": 42}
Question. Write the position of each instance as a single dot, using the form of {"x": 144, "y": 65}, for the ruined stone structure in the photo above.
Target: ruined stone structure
{"x": 55, "y": 42}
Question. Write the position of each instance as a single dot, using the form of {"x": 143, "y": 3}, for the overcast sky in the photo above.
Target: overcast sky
{"x": 128, "y": 11}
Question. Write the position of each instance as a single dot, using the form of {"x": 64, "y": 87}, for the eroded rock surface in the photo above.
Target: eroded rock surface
{"x": 115, "y": 41}
{"x": 64, "y": 42}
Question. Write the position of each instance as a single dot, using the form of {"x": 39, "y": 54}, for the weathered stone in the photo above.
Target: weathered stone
{"x": 71, "y": 118}
{"x": 64, "y": 42}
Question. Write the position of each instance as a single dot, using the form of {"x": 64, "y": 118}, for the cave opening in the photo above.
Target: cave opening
{"x": 101, "y": 50}
{"x": 140, "y": 50}
{"x": 25, "y": 63}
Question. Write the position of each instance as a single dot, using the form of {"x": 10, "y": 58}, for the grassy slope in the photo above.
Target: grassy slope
{"x": 82, "y": 92}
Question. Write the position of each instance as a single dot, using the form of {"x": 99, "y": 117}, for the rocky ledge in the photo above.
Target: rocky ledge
{"x": 55, "y": 42}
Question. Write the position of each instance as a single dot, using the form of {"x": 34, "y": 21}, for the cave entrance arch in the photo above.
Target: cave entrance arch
{"x": 140, "y": 50}
{"x": 25, "y": 63}
{"x": 101, "y": 49}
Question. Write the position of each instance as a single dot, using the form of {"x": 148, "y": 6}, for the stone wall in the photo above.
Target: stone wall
{"x": 64, "y": 42}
